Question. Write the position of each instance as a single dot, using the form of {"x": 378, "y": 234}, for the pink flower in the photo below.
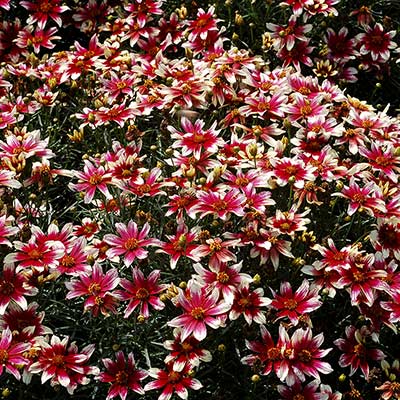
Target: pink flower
{"x": 172, "y": 381}
{"x": 38, "y": 39}
{"x": 180, "y": 245}
{"x": 41, "y": 10}
{"x": 307, "y": 354}
{"x": 356, "y": 352}
{"x": 217, "y": 250}
{"x": 129, "y": 242}
{"x": 97, "y": 286}
{"x": 202, "y": 24}
{"x": 219, "y": 204}
{"x": 184, "y": 352}
{"x": 11, "y": 354}
{"x": 293, "y": 305}
{"x": 194, "y": 139}
{"x": 248, "y": 303}
{"x": 376, "y": 42}
{"x": 298, "y": 391}
{"x": 62, "y": 364}
{"x": 91, "y": 179}
{"x": 123, "y": 375}
{"x": 293, "y": 171}
{"x": 142, "y": 292}
{"x": 200, "y": 309}
{"x": 267, "y": 353}
{"x": 13, "y": 288}
{"x": 226, "y": 278}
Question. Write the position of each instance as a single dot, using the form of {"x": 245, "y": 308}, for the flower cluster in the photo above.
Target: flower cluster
{"x": 216, "y": 222}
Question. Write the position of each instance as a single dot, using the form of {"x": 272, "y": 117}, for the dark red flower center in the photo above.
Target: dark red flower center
{"x": 6, "y": 288}
{"x": 198, "y": 313}
{"x": 222, "y": 277}
{"x": 305, "y": 356}
{"x": 121, "y": 378}
{"x": 131, "y": 244}
{"x": 174, "y": 377}
{"x": 290, "y": 304}
{"x": 67, "y": 261}
{"x": 58, "y": 361}
{"x": 3, "y": 356}
{"x": 142, "y": 293}
{"x": 274, "y": 353}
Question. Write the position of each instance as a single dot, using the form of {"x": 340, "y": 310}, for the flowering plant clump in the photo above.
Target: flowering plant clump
{"x": 191, "y": 209}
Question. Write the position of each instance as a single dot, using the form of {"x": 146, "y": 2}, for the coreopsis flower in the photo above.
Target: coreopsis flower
{"x": 226, "y": 278}
{"x": 129, "y": 242}
{"x": 204, "y": 23}
{"x": 14, "y": 287}
{"x": 391, "y": 390}
{"x": 362, "y": 279}
{"x": 219, "y": 204}
{"x": 248, "y": 303}
{"x": 180, "y": 245}
{"x": 36, "y": 254}
{"x": 296, "y": 5}
{"x": 98, "y": 287}
{"x": 357, "y": 353}
{"x": 267, "y": 353}
{"x": 386, "y": 238}
{"x": 285, "y": 36}
{"x": 142, "y": 9}
{"x": 88, "y": 228}
{"x": 92, "y": 178}
{"x": 194, "y": 139}
{"x": 367, "y": 197}
{"x": 7, "y": 179}
{"x": 307, "y": 354}
{"x": 269, "y": 246}
{"x": 142, "y": 292}
{"x": 25, "y": 324}
{"x": 376, "y": 42}
{"x": 299, "y": 54}
{"x": 340, "y": 47}
{"x": 293, "y": 305}
{"x": 392, "y": 306}
{"x": 303, "y": 108}
{"x": 200, "y": 309}
{"x": 74, "y": 260}
{"x": 6, "y": 230}
{"x": 334, "y": 259}
{"x": 5, "y": 4}
{"x": 292, "y": 171}
{"x": 298, "y": 391}
{"x": 123, "y": 375}
{"x": 37, "y": 39}
{"x": 62, "y": 363}
{"x": 184, "y": 352}
{"x": 217, "y": 250}
{"x": 41, "y": 10}
{"x": 265, "y": 106}
{"x": 172, "y": 381}
{"x": 289, "y": 222}
{"x": 11, "y": 354}
{"x": 149, "y": 184}
{"x": 323, "y": 7}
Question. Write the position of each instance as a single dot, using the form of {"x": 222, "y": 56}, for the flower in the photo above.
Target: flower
{"x": 356, "y": 352}
{"x": 376, "y": 42}
{"x": 13, "y": 288}
{"x": 41, "y": 10}
{"x": 293, "y": 305}
{"x": 184, "y": 352}
{"x": 201, "y": 309}
{"x": 172, "y": 381}
{"x": 97, "y": 286}
{"x": 226, "y": 278}
{"x": 307, "y": 354}
{"x": 219, "y": 204}
{"x": 298, "y": 391}
{"x": 129, "y": 242}
{"x": 11, "y": 354}
{"x": 123, "y": 375}
{"x": 62, "y": 364}
{"x": 142, "y": 291}
{"x": 248, "y": 303}
{"x": 91, "y": 179}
